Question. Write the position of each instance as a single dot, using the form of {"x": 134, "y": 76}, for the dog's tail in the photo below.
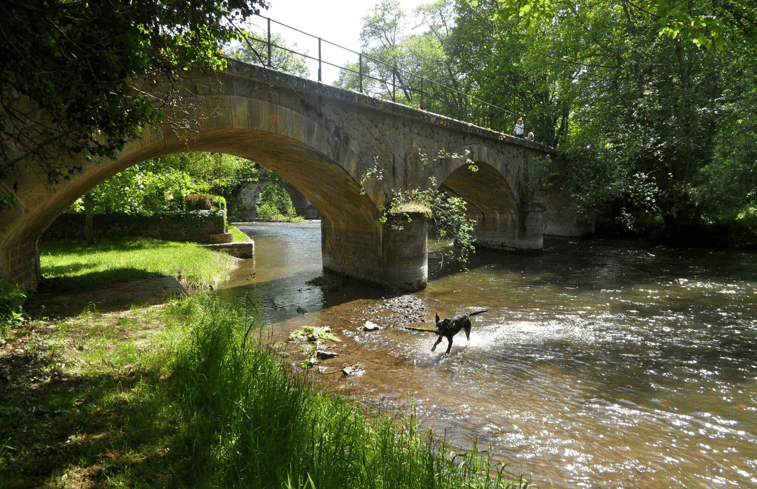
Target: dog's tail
{"x": 478, "y": 312}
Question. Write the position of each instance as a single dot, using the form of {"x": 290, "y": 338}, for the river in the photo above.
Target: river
{"x": 600, "y": 364}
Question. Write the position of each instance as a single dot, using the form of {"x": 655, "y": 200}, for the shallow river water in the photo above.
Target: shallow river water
{"x": 600, "y": 364}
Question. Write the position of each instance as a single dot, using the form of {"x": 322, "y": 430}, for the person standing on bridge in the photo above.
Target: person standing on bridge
{"x": 519, "y": 128}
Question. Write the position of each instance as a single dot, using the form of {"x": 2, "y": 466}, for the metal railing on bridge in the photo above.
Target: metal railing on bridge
{"x": 396, "y": 84}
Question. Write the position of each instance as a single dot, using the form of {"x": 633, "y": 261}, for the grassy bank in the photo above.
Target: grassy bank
{"x": 184, "y": 395}
{"x": 74, "y": 265}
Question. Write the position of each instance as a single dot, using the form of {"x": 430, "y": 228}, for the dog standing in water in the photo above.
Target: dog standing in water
{"x": 447, "y": 328}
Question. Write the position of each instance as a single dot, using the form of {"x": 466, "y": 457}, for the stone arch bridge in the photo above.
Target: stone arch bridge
{"x": 325, "y": 141}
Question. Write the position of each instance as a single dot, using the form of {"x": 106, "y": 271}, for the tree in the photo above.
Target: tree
{"x": 71, "y": 70}
{"x": 253, "y": 49}
{"x": 400, "y": 65}
{"x": 656, "y": 98}
{"x": 381, "y": 40}
{"x": 705, "y": 23}
{"x": 728, "y": 192}
{"x": 163, "y": 184}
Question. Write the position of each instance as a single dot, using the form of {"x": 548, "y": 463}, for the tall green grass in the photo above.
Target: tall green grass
{"x": 253, "y": 424}
{"x": 79, "y": 265}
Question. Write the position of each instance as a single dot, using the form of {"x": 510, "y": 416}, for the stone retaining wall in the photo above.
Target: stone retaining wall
{"x": 191, "y": 226}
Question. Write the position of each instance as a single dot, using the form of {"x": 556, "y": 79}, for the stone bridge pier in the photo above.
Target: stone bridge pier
{"x": 347, "y": 153}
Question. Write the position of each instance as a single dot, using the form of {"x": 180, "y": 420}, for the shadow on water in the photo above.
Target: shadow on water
{"x": 300, "y": 293}
{"x": 598, "y": 263}
{"x": 286, "y": 277}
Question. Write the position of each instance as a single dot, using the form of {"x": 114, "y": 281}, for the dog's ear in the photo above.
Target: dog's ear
{"x": 437, "y": 317}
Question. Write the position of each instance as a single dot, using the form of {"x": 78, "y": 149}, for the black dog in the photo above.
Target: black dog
{"x": 450, "y": 327}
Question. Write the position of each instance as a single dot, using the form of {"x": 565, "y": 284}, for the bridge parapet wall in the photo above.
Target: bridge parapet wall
{"x": 406, "y": 145}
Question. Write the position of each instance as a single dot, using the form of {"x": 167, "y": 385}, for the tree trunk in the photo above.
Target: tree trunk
{"x": 89, "y": 233}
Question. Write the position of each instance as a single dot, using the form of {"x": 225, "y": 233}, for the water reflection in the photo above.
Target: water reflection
{"x": 286, "y": 278}
{"x": 599, "y": 364}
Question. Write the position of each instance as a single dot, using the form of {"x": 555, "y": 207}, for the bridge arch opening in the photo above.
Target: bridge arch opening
{"x": 323, "y": 182}
{"x": 490, "y": 202}
{"x": 354, "y": 241}
{"x": 351, "y": 234}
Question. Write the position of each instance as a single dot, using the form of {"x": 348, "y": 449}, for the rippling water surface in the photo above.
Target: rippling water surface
{"x": 599, "y": 364}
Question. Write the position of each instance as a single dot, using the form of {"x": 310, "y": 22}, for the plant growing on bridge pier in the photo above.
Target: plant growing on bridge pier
{"x": 447, "y": 213}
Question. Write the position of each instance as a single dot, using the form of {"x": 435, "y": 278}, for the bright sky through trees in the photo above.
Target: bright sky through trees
{"x": 336, "y": 21}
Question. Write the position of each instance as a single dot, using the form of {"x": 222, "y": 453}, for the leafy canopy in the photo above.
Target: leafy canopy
{"x": 705, "y": 25}
{"x": 162, "y": 185}
{"x": 71, "y": 70}
{"x": 656, "y": 100}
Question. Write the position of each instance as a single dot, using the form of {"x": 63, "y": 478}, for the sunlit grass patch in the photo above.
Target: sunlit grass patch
{"x": 75, "y": 265}
{"x": 239, "y": 235}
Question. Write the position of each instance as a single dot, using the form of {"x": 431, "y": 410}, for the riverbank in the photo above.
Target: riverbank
{"x": 734, "y": 236}
{"x": 167, "y": 392}
{"x": 364, "y": 357}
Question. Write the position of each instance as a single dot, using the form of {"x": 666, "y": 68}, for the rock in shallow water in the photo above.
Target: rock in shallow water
{"x": 353, "y": 370}
{"x": 370, "y": 326}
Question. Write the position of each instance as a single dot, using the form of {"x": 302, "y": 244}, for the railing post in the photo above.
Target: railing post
{"x": 394, "y": 83}
{"x": 360, "y": 73}
{"x": 421, "y": 93}
{"x": 269, "y": 42}
{"x": 319, "y": 59}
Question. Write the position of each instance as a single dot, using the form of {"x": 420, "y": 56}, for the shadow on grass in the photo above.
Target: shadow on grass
{"x": 65, "y": 298}
{"x": 129, "y": 243}
{"x": 89, "y": 280}
{"x": 90, "y": 430}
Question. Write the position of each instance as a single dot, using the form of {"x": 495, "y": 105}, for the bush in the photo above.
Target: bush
{"x": 11, "y": 310}
{"x": 269, "y": 212}
{"x": 199, "y": 203}
{"x": 205, "y": 202}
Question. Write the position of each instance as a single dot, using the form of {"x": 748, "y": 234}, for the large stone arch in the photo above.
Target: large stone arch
{"x": 352, "y": 236}
{"x": 300, "y": 150}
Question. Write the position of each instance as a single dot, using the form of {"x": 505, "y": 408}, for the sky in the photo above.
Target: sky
{"x": 336, "y": 21}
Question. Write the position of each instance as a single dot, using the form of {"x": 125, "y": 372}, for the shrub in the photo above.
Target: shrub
{"x": 268, "y": 212}
{"x": 11, "y": 310}
{"x": 199, "y": 203}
